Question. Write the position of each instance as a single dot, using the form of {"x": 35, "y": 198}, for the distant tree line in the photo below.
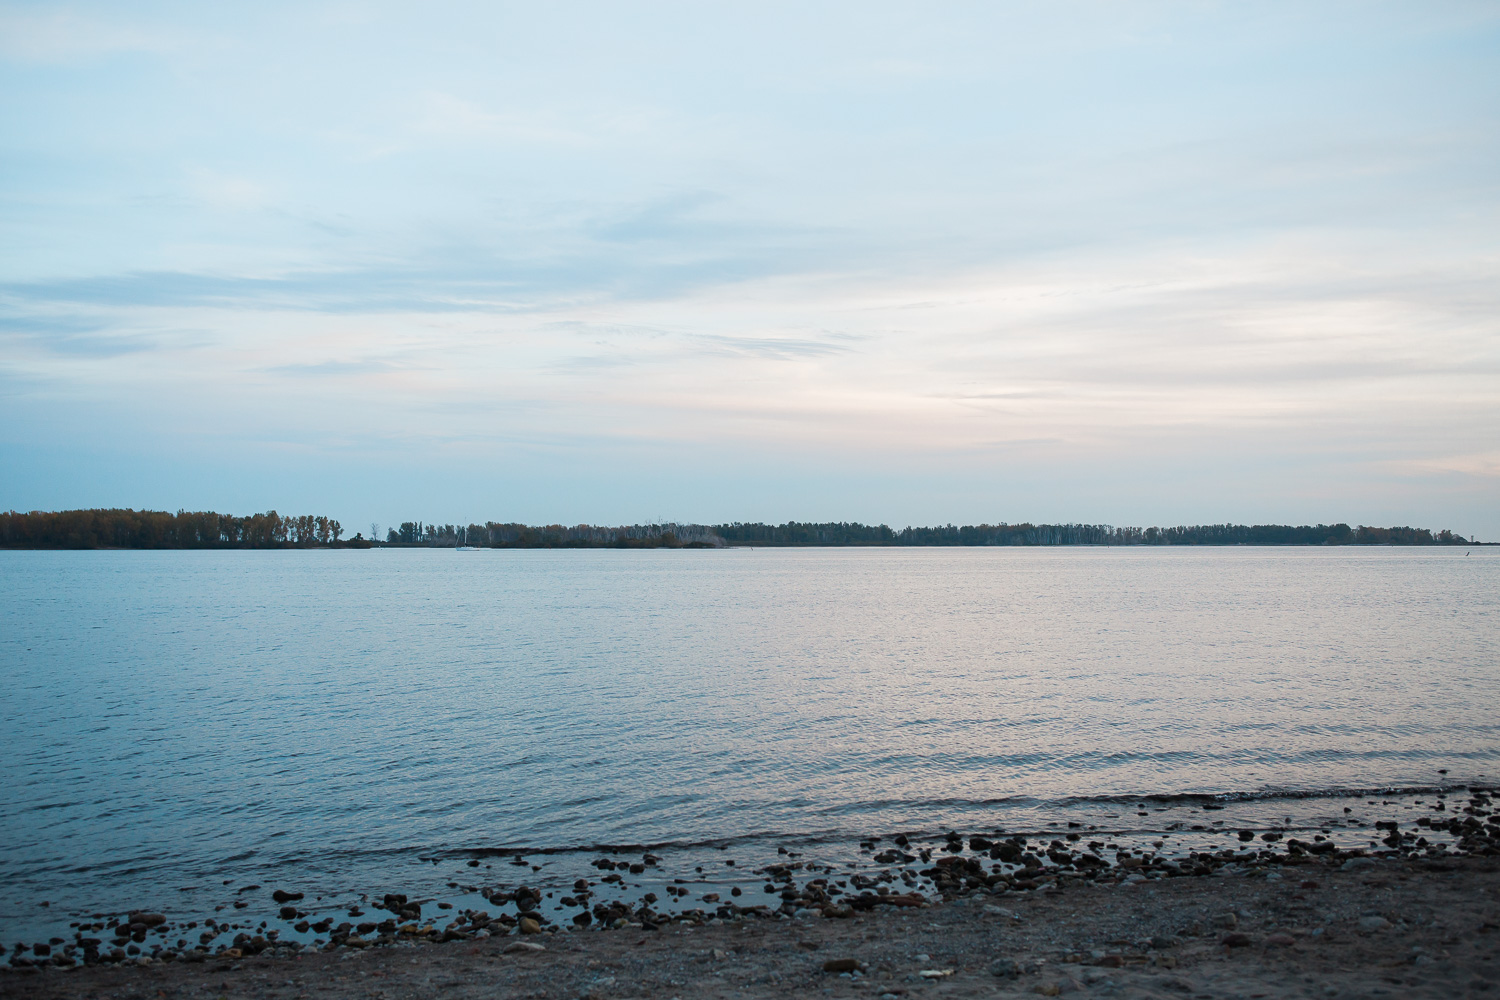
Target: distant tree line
{"x": 494, "y": 535}
{"x": 851, "y": 533}
{"x": 156, "y": 529}
{"x": 149, "y": 529}
{"x": 854, "y": 533}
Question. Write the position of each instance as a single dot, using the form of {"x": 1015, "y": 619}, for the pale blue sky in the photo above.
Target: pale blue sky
{"x": 1126, "y": 263}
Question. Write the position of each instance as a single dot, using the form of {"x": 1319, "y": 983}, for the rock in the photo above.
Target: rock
{"x": 1373, "y": 922}
{"x": 148, "y": 919}
{"x": 990, "y": 910}
{"x": 1355, "y": 864}
{"x": 282, "y": 896}
{"x": 1228, "y": 921}
{"x": 530, "y": 926}
{"x": 1237, "y": 940}
{"x": 288, "y": 913}
{"x": 1163, "y": 943}
{"x": 841, "y": 965}
{"x": 1280, "y": 941}
{"x": 522, "y": 947}
{"x": 1005, "y": 968}
{"x": 935, "y": 973}
{"x": 904, "y": 899}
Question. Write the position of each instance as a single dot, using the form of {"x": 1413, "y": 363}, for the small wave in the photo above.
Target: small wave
{"x": 1273, "y": 794}
{"x": 843, "y": 835}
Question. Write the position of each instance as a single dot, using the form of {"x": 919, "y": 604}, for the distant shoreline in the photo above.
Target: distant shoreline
{"x": 125, "y": 528}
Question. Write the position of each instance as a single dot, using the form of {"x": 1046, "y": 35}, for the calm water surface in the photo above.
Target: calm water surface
{"x": 176, "y": 721}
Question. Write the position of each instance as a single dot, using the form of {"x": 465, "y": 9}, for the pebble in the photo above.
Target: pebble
{"x": 1373, "y": 923}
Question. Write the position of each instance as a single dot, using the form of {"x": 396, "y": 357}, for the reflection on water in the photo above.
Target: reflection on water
{"x": 185, "y": 719}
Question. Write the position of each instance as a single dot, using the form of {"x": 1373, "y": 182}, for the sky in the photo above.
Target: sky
{"x": 1122, "y": 263}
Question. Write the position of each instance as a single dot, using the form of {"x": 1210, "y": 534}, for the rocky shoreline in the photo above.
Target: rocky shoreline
{"x": 1398, "y": 925}
{"x": 895, "y": 874}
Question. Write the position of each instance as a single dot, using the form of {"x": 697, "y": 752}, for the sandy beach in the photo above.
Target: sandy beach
{"x": 1395, "y": 927}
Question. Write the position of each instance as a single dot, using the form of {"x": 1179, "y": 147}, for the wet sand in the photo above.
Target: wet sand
{"x": 1398, "y": 927}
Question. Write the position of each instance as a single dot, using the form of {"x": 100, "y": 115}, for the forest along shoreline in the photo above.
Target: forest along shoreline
{"x": 905, "y": 876}
{"x": 126, "y": 528}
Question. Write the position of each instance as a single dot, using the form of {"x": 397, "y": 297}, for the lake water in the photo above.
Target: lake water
{"x": 175, "y": 724}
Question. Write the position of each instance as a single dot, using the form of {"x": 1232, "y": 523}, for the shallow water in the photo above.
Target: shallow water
{"x": 178, "y": 722}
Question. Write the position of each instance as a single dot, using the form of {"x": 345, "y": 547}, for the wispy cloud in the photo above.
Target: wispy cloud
{"x": 775, "y": 348}
{"x": 73, "y": 336}
{"x": 59, "y": 35}
{"x": 321, "y": 369}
